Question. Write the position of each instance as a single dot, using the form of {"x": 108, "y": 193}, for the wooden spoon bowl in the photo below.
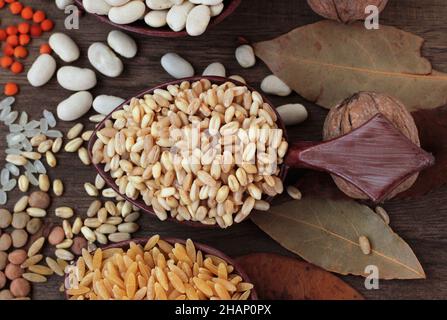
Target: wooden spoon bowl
{"x": 139, "y": 202}
{"x": 142, "y": 28}
{"x": 202, "y": 247}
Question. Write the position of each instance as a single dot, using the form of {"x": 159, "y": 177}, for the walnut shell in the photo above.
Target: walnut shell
{"x": 357, "y": 110}
{"x": 345, "y": 10}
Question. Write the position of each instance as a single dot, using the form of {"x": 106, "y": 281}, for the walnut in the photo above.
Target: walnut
{"x": 357, "y": 110}
{"x": 345, "y": 10}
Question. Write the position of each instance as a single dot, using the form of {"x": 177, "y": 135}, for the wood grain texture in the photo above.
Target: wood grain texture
{"x": 422, "y": 222}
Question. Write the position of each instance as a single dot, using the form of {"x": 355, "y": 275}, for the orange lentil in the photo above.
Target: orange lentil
{"x": 47, "y": 25}
{"x": 11, "y": 89}
{"x": 16, "y": 7}
{"x": 3, "y": 35}
{"x": 45, "y": 48}
{"x": 8, "y": 50}
{"x": 24, "y": 39}
{"x": 6, "y": 62}
{"x": 2, "y": 4}
{"x": 13, "y": 40}
{"x": 39, "y": 16}
{"x": 20, "y": 52}
{"x": 27, "y": 13}
{"x": 23, "y": 28}
{"x": 36, "y": 31}
{"x": 16, "y": 67}
{"x": 12, "y": 30}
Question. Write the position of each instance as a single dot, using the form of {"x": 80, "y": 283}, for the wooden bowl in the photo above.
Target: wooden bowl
{"x": 142, "y": 28}
{"x": 202, "y": 247}
{"x": 139, "y": 202}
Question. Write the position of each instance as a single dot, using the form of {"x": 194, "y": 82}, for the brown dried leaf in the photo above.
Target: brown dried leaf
{"x": 328, "y": 61}
{"x": 281, "y": 278}
{"x": 326, "y": 233}
{"x": 432, "y": 126}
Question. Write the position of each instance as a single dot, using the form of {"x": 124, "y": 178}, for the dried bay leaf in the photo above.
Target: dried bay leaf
{"x": 328, "y": 61}
{"x": 326, "y": 232}
{"x": 432, "y": 127}
{"x": 281, "y": 278}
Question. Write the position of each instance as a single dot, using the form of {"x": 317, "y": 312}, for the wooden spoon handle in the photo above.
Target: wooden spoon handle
{"x": 376, "y": 157}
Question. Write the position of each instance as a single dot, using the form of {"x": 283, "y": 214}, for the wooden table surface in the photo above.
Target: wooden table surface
{"x": 422, "y": 222}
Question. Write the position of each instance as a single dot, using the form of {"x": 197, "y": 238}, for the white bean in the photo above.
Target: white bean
{"x": 215, "y": 69}
{"x": 61, "y": 4}
{"x": 74, "y": 106}
{"x": 116, "y": 3}
{"x": 159, "y": 4}
{"x": 156, "y": 18}
{"x": 245, "y": 56}
{"x": 104, "y": 60}
{"x": 122, "y": 44}
{"x": 274, "y": 85}
{"x": 292, "y": 114}
{"x": 198, "y": 19}
{"x": 216, "y": 9}
{"x": 96, "y": 6}
{"x": 128, "y": 13}
{"x": 176, "y": 66}
{"x": 76, "y": 79}
{"x": 178, "y": 14}
{"x": 42, "y": 70}
{"x": 64, "y": 47}
{"x": 105, "y": 104}
{"x": 207, "y": 2}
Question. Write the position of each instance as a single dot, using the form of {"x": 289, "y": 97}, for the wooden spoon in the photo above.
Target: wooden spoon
{"x": 199, "y": 246}
{"x": 375, "y": 157}
{"x": 140, "y": 27}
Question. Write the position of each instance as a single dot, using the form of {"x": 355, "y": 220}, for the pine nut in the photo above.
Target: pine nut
{"x": 118, "y": 237}
{"x": 83, "y": 156}
{"x": 36, "y": 212}
{"x": 36, "y": 246}
{"x": 77, "y": 225}
{"x": 32, "y": 155}
{"x": 91, "y": 189}
{"x": 51, "y": 159}
{"x": 99, "y": 182}
{"x": 67, "y": 229}
{"x": 73, "y": 145}
{"x": 34, "y": 277}
{"x": 365, "y": 245}
{"x": 44, "y": 182}
{"x": 294, "y": 193}
{"x": 64, "y": 212}
{"x": 87, "y": 135}
{"x": 383, "y": 214}
{"x": 262, "y": 205}
{"x": 75, "y": 131}
{"x": 93, "y": 208}
{"x": 54, "y": 266}
{"x": 66, "y": 244}
{"x": 129, "y": 227}
{"x": 23, "y": 183}
{"x": 64, "y": 254}
{"x": 16, "y": 159}
{"x": 21, "y": 204}
{"x": 57, "y": 145}
{"x": 39, "y": 269}
{"x": 58, "y": 187}
{"x": 88, "y": 234}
